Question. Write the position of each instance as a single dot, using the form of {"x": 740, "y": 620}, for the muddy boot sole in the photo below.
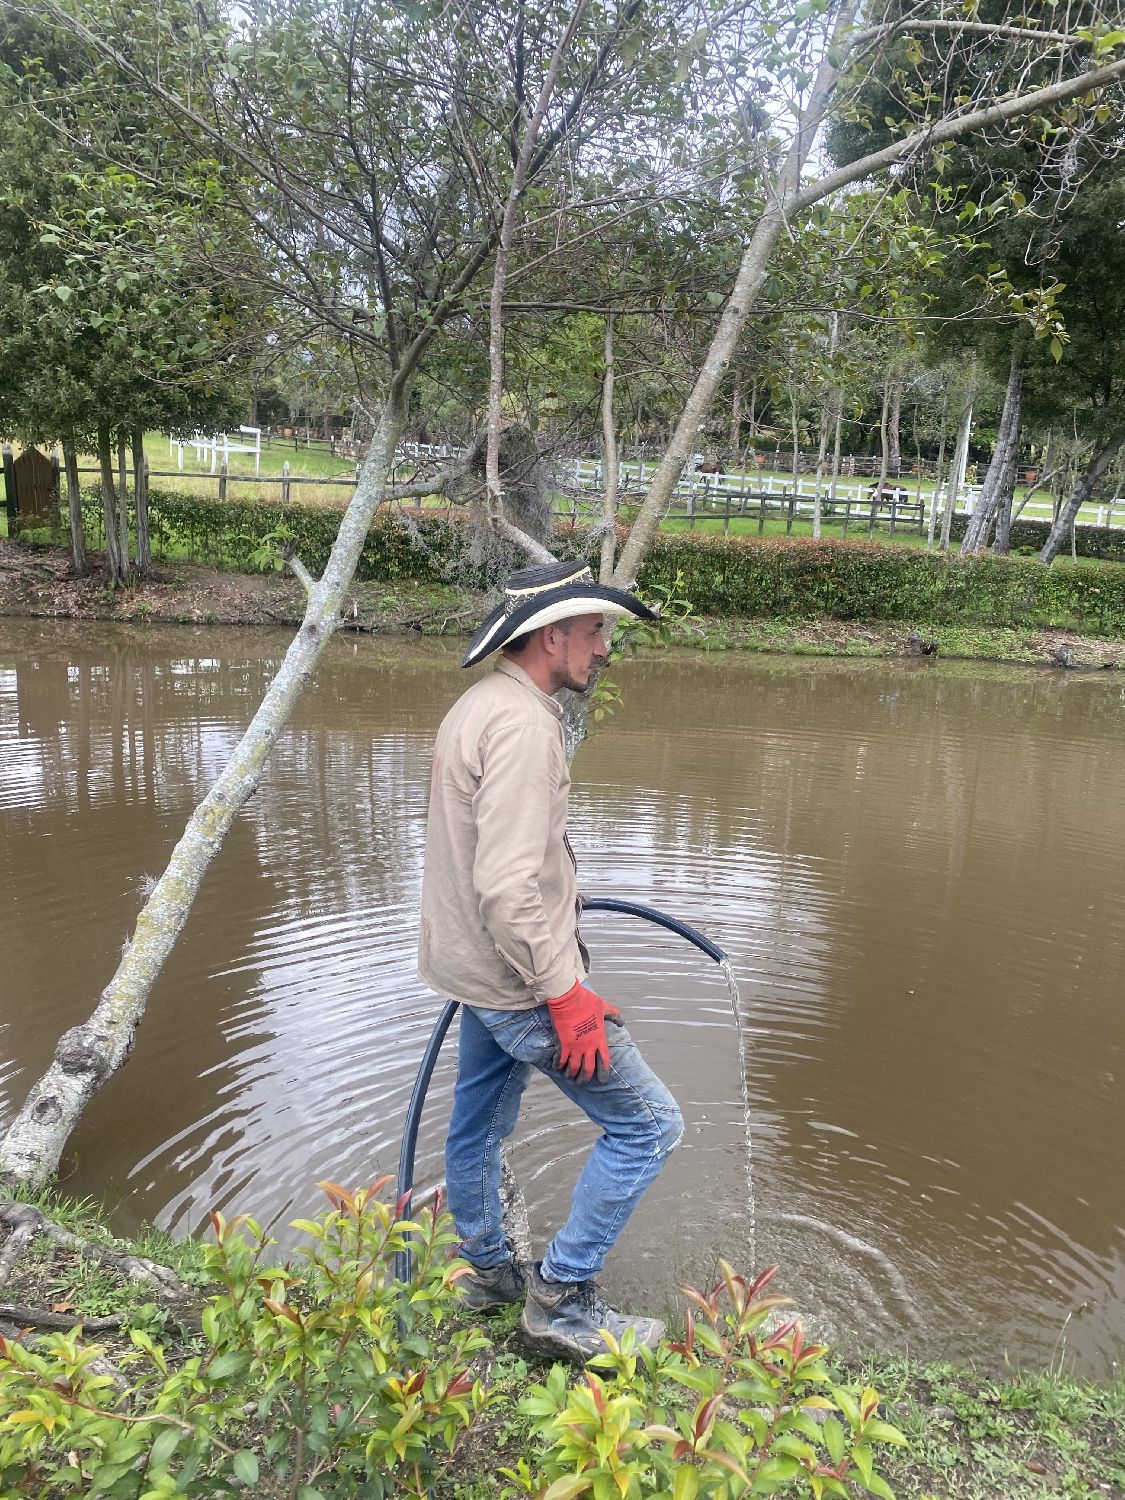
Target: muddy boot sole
{"x": 550, "y": 1348}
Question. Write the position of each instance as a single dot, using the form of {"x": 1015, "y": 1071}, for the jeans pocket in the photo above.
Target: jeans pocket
{"x": 526, "y": 1035}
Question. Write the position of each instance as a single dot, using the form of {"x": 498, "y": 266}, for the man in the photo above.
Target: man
{"x": 500, "y": 911}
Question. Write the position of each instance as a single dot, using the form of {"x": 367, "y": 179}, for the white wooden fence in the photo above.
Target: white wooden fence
{"x": 737, "y": 494}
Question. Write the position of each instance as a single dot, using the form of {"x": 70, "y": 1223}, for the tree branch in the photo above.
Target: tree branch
{"x": 951, "y": 129}
{"x": 298, "y": 569}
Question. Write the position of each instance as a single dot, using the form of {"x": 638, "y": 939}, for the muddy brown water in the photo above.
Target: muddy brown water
{"x": 917, "y": 868}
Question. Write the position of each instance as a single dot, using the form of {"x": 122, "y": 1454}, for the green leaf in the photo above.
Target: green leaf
{"x": 63, "y": 293}
{"x": 686, "y": 1483}
{"x": 1107, "y": 42}
{"x": 246, "y": 1466}
{"x": 877, "y": 1485}
{"x": 227, "y": 1364}
{"x": 697, "y": 1380}
{"x": 862, "y": 1458}
{"x": 883, "y": 1432}
{"x": 833, "y": 1435}
{"x": 568, "y": 1486}
{"x": 166, "y": 1443}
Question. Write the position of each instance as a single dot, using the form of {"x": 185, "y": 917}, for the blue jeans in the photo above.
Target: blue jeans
{"x": 640, "y": 1119}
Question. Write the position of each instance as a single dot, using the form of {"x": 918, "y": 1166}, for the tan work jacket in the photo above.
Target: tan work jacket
{"x": 500, "y": 890}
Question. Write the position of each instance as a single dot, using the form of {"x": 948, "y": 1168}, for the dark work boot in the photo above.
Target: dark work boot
{"x": 499, "y": 1286}
{"x": 564, "y": 1320}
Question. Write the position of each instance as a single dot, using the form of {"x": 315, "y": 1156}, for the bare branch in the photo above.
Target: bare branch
{"x": 298, "y": 569}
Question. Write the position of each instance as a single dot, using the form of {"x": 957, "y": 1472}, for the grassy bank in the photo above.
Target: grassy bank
{"x": 295, "y": 1378}
{"x": 36, "y": 582}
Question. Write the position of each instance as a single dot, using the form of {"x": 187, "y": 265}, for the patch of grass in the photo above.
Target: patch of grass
{"x": 1031, "y": 1436}
{"x": 49, "y": 1275}
{"x": 81, "y": 1216}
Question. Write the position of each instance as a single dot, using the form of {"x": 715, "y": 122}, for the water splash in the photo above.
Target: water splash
{"x": 727, "y": 971}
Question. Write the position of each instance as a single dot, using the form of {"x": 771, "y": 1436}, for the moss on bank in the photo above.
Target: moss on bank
{"x": 36, "y": 582}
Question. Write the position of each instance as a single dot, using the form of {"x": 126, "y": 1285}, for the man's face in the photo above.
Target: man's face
{"x": 581, "y": 649}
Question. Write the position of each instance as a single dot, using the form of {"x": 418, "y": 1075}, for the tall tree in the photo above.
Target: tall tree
{"x": 105, "y": 333}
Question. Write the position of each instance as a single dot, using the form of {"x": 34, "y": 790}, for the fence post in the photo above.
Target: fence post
{"x": 790, "y": 511}
{"x": 726, "y": 512}
{"x": 10, "y": 491}
{"x": 894, "y": 509}
{"x": 761, "y": 512}
{"x": 285, "y": 483}
{"x": 691, "y": 507}
{"x": 847, "y": 515}
{"x": 222, "y": 481}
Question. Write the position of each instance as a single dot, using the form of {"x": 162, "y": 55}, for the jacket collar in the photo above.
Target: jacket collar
{"x": 508, "y": 668}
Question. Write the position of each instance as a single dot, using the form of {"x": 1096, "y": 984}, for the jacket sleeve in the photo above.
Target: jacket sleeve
{"x": 511, "y": 808}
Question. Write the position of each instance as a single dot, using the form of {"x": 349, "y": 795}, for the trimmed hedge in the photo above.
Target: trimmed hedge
{"x": 794, "y": 577}
{"x": 720, "y": 575}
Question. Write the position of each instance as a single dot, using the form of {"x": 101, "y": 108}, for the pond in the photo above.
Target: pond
{"x": 918, "y": 869}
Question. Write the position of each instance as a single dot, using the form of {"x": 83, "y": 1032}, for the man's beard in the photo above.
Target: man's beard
{"x": 584, "y": 687}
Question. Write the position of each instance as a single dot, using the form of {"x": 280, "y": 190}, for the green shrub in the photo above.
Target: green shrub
{"x": 307, "y": 1385}
{"x": 324, "y": 1378}
{"x": 799, "y": 578}
{"x": 751, "y": 1428}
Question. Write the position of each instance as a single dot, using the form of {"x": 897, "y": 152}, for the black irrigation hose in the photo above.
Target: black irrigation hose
{"x": 433, "y": 1047}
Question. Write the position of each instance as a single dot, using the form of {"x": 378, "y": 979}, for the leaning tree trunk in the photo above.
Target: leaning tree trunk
{"x": 1084, "y": 486}
{"x": 884, "y": 456}
{"x": 610, "y": 465}
{"x": 894, "y": 430}
{"x": 140, "y": 503}
{"x": 1001, "y": 476}
{"x": 1003, "y": 539}
{"x": 90, "y": 1053}
{"x": 957, "y": 469}
{"x": 1006, "y": 484}
{"x": 795, "y": 434}
{"x": 74, "y": 507}
{"x": 734, "y": 441}
{"x": 109, "y": 509}
{"x": 751, "y": 274}
{"x": 832, "y": 408}
{"x": 122, "y": 508}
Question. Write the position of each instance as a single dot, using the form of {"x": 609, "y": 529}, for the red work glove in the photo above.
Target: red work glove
{"x": 579, "y": 1019}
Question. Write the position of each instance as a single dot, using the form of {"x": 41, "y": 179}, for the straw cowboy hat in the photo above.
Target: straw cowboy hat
{"x": 539, "y": 596}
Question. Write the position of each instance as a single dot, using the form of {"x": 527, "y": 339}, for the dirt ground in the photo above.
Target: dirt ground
{"x": 38, "y": 581}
